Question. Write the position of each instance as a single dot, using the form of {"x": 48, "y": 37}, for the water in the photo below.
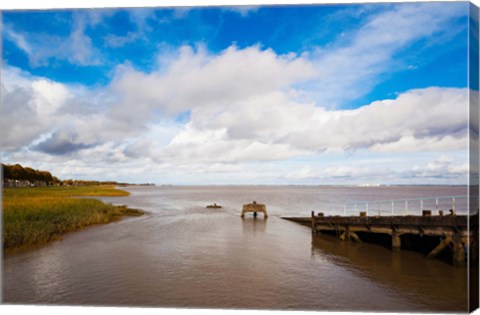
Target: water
{"x": 184, "y": 255}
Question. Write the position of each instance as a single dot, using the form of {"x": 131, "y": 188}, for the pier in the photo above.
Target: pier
{"x": 437, "y": 232}
{"x": 254, "y": 207}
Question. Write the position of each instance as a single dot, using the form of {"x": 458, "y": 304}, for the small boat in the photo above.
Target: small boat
{"x": 214, "y": 206}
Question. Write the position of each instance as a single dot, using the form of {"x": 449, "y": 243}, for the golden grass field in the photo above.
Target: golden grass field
{"x": 38, "y": 215}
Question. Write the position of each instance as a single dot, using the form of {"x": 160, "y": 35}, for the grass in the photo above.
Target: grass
{"x": 38, "y": 215}
{"x": 65, "y": 191}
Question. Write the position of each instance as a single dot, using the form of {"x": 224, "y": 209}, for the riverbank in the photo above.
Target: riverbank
{"x": 37, "y": 215}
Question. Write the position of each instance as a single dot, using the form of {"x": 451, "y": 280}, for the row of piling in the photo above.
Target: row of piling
{"x": 452, "y": 231}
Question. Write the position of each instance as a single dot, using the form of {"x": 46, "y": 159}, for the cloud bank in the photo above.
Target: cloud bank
{"x": 244, "y": 114}
{"x": 239, "y": 107}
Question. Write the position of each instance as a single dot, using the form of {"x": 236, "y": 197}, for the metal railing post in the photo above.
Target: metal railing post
{"x": 393, "y": 209}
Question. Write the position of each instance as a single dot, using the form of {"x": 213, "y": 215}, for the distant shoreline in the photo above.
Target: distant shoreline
{"x": 299, "y": 185}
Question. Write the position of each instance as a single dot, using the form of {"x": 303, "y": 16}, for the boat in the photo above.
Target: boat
{"x": 214, "y": 206}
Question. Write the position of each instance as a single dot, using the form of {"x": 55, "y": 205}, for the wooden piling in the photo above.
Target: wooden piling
{"x": 396, "y": 241}
{"x": 439, "y": 247}
{"x": 458, "y": 251}
{"x": 354, "y": 237}
{"x": 313, "y": 222}
{"x": 452, "y": 228}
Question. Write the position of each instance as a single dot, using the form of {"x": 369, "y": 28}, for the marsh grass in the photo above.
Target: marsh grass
{"x": 38, "y": 215}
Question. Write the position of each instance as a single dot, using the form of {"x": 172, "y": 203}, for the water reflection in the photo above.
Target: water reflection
{"x": 430, "y": 282}
{"x": 253, "y": 225}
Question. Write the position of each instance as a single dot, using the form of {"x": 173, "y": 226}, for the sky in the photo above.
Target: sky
{"x": 341, "y": 94}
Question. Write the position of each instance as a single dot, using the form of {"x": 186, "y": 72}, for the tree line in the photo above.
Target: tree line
{"x": 18, "y": 172}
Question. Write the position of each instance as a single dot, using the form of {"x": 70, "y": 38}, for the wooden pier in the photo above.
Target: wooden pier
{"x": 459, "y": 232}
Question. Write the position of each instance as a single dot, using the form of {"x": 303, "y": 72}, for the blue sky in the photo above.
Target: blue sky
{"x": 323, "y": 94}
{"x": 137, "y": 35}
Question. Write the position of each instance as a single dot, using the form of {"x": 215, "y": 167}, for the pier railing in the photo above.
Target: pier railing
{"x": 411, "y": 206}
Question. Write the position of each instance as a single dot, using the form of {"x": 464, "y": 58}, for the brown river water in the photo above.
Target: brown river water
{"x": 184, "y": 255}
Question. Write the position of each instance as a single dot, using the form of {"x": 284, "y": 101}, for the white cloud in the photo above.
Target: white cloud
{"x": 26, "y": 103}
{"x": 140, "y": 17}
{"x": 444, "y": 167}
{"x": 409, "y": 143}
{"x": 77, "y": 47}
{"x": 18, "y": 39}
{"x": 195, "y": 79}
{"x": 429, "y": 119}
{"x": 350, "y": 67}
{"x": 37, "y": 110}
{"x": 237, "y": 109}
{"x": 428, "y": 169}
{"x": 49, "y": 96}
{"x": 115, "y": 41}
{"x": 243, "y": 10}
{"x": 337, "y": 172}
{"x": 242, "y": 116}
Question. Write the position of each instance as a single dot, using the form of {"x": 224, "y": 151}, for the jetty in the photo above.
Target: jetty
{"x": 431, "y": 232}
{"x": 255, "y": 208}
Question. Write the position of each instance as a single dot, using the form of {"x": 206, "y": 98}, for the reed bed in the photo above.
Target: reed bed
{"x": 38, "y": 215}
{"x": 65, "y": 191}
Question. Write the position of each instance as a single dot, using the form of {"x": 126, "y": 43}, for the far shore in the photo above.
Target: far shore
{"x": 37, "y": 215}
